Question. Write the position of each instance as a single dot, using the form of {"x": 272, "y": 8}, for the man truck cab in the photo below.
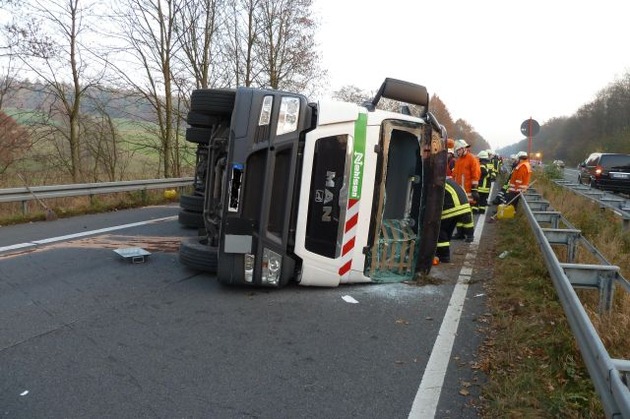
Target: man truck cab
{"x": 318, "y": 193}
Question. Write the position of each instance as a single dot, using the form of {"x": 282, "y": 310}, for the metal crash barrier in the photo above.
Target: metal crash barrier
{"x": 610, "y": 376}
{"x": 88, "y": 189}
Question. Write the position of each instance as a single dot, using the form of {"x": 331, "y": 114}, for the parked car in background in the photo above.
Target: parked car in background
{"x": 606, "y": 171}
{"x": 559, "y": 164}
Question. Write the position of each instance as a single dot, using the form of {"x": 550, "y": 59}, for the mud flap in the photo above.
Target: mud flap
{"x": 434, "y": 156}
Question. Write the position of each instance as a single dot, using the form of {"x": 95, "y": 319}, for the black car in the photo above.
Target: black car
{"x": 606, "y": 171}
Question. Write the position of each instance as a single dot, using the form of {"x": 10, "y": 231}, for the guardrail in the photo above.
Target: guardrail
{"x": 617, "y": 204}
{"x": 88, "y": 189}
{"x": 610, "y": 376}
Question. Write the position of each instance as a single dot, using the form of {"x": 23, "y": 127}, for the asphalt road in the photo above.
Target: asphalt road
{"x": 87, "y": 334}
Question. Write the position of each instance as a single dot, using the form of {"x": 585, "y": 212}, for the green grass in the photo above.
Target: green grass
{"x": 138, "y": 152}
{"x": 534, "y": 368}
{"x": 530, "y": 356}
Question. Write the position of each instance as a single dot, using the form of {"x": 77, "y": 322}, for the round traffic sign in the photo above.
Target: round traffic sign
{"x": 530, "y": 127}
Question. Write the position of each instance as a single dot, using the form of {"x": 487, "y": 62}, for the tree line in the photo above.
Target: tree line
{"x": 77, "y": 76}
{"x": 602, "y": 124}
{"x": 156, "y": 52}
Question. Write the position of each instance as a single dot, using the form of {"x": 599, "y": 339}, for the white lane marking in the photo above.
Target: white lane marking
{"x": 35, "y": 243}
{"x": 428, "y": 395}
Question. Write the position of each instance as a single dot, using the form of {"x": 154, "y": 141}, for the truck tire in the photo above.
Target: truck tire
{"x": 197, "y": 255}
{"x": 190, "y": 219}
{"x": 193, "y": 203}
{"x": 198, "y": 135}
{"x": 199, "y": 119}
{"x": 213, "y": 101}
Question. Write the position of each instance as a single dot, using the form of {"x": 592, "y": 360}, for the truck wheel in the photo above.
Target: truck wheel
{"x": 197, "y": 255}
{"x": 212, "y": 101}
{"x": 193, "y": 203}
{"x": 198, "y": 135}
{"x": 199, "y": 119}
{"x": 190, "y": 219}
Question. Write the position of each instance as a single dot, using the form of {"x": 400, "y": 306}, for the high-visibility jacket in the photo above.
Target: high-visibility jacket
{"x": 519, "y": 179}
{"x": 467, "y": 172}
{"x": 455, "y": 200}
{"x": 485, "y": 181}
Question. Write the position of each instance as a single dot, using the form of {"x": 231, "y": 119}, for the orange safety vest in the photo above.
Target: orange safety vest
{"x": 519, "y": 180}
{"x": 467, "y": 172}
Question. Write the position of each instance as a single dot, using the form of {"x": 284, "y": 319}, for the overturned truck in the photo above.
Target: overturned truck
{"x": 317, "y": 193}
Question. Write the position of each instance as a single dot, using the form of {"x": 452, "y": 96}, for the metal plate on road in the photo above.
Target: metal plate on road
{"x": 135, "y": 254}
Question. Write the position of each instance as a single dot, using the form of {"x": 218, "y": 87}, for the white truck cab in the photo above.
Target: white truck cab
{"x": 318, "y": 193}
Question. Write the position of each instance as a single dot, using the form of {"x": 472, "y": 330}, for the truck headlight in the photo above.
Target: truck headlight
{"x": 289, "y": 112}
{"x": 271, "y": 267}
{"x": 265, "y": 111}
{"x": 248, "y": 266}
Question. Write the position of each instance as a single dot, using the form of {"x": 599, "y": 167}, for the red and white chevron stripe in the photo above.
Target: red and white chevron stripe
{"x": 349, "y": 238}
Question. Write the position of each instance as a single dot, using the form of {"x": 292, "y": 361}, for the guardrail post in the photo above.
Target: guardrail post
{"x": 606, "y": 292}
{"x": 602, "y": 277}
{"x": 626, "y": 224}
{"x": 24, "y": 207}
{"x": 569, "y": 237}
{"x": 541, "y": 205}
{"x": 552, "y": 217}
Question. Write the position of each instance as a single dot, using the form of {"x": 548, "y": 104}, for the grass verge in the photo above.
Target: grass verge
{"x": 532, "y": 362}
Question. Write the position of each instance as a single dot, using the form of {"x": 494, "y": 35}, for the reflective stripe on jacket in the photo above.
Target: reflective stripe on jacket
{"x": 455, "y": 200}
{"x": 486, "y": 176}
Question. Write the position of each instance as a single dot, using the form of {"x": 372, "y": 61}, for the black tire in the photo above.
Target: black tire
{"x": 213, "y": 101}
{"x": 579, "y": 180}
{"x": 193, "y": 203}
{"x": 190, "y": 219}
{"x": 196, "y": 255}
{"x": 198, "y": 119}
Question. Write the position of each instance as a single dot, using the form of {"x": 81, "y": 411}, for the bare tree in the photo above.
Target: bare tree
{"x": 49, "y": 40}
{"x": 198, "y": 33}
{"x": 148, "y": 30}
{"x": 238, "y": 36}
{"x": 286, "y": 48}
{"x": 104, "y": 148}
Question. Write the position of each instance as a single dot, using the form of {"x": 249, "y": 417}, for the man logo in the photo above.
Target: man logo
{"x": 328, "y": 196}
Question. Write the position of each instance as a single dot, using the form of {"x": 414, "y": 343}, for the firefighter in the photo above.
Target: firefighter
{"x": 485, "y": 182}
{"x": 455, "y": 210}
{"x": 519, "y": 179}
{"x": 492, "y": 168}
{"x": 466, "y": 173}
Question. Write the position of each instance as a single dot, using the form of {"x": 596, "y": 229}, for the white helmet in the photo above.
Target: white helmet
{"x": 521, "y": 155}
{"x": 460, "y": 144}
{"x": 483, "y": 154}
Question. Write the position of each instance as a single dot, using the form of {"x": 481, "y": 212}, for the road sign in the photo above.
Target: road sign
{"x": 530, "y": 127}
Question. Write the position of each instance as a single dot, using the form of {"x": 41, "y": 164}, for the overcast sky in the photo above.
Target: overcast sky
{"x": 493, "y": 63}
